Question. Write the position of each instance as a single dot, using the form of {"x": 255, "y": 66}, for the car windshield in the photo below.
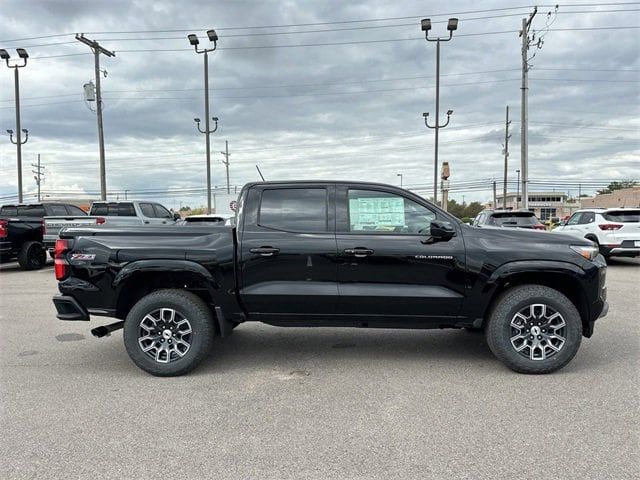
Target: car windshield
{"x": 514, "y": 219}
{"x": 623, "y": 216}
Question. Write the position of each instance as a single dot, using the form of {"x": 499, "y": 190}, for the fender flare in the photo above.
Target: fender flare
{"x": 146, "y": 266}
{"x": 532, "y": 266}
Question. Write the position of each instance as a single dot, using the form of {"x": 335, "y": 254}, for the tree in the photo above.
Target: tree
{"x": 467, "y": 210}
{"x": 618, "y": 186}
{"x": 186, "y": 208}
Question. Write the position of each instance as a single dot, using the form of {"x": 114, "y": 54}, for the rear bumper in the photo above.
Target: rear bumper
{"x": 626, "y": 248}
{"x": 69, "y": 309}
{"x": 5, "y": 248}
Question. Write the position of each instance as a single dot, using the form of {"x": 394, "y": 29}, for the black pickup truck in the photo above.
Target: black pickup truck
{"x": 334, "y": 254}
{"x": 21, "y": 231}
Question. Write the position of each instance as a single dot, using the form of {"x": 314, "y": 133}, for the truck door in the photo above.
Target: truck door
{"x": 288, "y": 251}
{"x": 388, "y": 267}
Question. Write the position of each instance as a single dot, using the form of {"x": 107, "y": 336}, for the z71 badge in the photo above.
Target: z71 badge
{"x": 83, "y": 256}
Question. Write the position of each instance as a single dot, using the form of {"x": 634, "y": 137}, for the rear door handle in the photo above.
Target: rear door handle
{"x": 359, "y": 252}
{"x": 265, "y": 251}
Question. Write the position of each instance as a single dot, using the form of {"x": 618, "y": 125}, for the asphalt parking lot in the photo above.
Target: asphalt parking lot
{"x": 273, "y": 403}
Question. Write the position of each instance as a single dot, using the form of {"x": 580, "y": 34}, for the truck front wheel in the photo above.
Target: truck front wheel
{"x": 169, "y": 332}
{"x": 534, "y": 329}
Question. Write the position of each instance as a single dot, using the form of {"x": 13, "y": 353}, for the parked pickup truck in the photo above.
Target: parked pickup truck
{"x": 332, "y": 254}
{"x": 111, "y": 214}
{"x": 21, "y": 231}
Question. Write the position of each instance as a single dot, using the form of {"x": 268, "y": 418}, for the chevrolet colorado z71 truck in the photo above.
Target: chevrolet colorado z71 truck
{"x": 334, "y": 254}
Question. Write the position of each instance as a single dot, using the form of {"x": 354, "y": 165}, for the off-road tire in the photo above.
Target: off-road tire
{"x": 32, "y": 256}
{"x": 188, "y": 305}
{"x": 498, "y": 329}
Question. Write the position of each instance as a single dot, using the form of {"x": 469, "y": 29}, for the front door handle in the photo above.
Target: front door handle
{"x": 359, "y": 252}
{"x": 265, "y": 251}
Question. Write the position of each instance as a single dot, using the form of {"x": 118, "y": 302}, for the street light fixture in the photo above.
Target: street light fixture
{"x": 425, "y": 26}
{"x": 4, "y": 55}
{"x": 194, "y": 42}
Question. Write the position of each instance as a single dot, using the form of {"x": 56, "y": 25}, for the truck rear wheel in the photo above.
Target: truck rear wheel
{"x": 32, "y": 256}
{"x": 534, "y": 329}
{"x": 169, "y": 332}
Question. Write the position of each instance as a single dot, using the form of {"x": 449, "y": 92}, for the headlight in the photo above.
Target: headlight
{"x": 589, "y": 252}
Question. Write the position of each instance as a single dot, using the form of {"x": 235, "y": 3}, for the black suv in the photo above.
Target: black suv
{"x": 508, "y": 219}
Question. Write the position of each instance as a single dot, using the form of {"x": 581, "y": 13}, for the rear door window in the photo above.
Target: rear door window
{"x": 126, "y": 210}
{"x": 587, "y": 217}
{"x": 623, "y": 216}
{"x": 294, "y": 209}
{"x": 58, "y": 210}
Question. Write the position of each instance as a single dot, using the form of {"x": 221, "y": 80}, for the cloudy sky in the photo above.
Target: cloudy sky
{"x": 320, "y": 89}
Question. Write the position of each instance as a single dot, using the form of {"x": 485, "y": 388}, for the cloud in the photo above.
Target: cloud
{"x": 351, "y": 111}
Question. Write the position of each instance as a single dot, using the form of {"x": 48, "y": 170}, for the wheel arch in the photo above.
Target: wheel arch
{"x": 141, "y": 278}
{"x": 563, "y": 277}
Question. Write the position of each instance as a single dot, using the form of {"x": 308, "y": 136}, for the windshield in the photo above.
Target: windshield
{"x": 624, "y": 216}
{"x": 513, "y": 219}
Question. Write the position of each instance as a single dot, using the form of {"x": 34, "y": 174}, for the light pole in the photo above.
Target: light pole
{"x": 193, "y": 40}
{"x": 517, "y": 188}
{"x": 400, "y": 175}
{"x": 452, "y": 25}
{"x": 4, "y": 55}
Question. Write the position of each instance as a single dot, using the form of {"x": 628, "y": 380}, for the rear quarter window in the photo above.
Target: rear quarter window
{"x": 623, "y": 216}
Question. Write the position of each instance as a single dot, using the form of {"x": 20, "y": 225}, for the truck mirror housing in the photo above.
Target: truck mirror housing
{"x": 441, "y": 231}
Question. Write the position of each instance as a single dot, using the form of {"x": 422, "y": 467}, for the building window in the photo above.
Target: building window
{"x": 547, "y": 213}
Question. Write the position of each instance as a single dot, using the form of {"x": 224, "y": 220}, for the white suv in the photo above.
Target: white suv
{"x": 615, "y": 230}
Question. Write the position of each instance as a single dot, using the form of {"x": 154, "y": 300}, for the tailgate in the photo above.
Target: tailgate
{"x": 53, "y": 225}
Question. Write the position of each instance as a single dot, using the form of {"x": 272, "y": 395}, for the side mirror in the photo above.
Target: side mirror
{"x": 177, "y": 216}
{"x": 562, "y": 223}
{"x": 441, "y": 231}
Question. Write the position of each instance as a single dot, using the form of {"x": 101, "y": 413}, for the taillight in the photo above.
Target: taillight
{"x": 610, "y": 226}
{"x": 100, "y": 220}
{"x": 61, "y": 266}
{"x": 3, "y": 229}
{"x": 539, "y": 226}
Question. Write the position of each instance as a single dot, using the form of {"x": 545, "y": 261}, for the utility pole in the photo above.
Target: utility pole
{"x": 226, "y": 162}
{"x": 39, "y": 174}
{"x": 444, "y": 175}
{"x": 506, "y": 158}
{"x": 193, "y": 40}
{"x": 4, "y": 55}
{"x": 517, "y": 188}
{"x": 494, "y": 195}
{"x": 97, "y": 50}
{"x": 524, "y": 147}
{"x": 425, "y": 25}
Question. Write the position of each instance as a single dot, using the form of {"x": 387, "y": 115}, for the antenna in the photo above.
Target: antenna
{"x": 261, "y": 176}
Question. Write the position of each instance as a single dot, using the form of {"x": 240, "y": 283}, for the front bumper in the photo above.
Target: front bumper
{"x": 69, "y": 309}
